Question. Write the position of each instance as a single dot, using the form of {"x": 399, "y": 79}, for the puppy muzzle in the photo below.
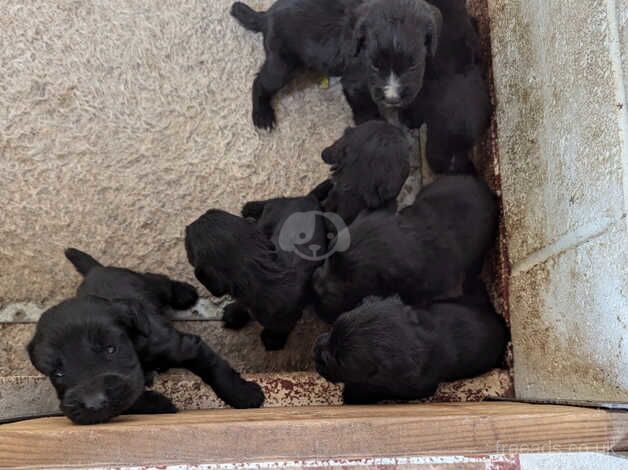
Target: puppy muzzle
{"x": 101, "y": 398}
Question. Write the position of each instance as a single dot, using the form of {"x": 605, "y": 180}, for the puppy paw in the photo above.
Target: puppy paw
{"x": 151, "y": 402}
{"x": 249, "y": 395}
{"x": 235, "y": 317}
{"x": 264, "y": 117}
{"x": 273, "y": 341}
{"x": 184, "y": 295}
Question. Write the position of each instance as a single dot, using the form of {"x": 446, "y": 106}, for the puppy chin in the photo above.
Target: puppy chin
{"x": 119, "y": 394}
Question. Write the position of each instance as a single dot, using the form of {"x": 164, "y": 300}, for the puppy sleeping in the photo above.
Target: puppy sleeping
{"x": 386, "y": 350}
{"x": 422, "y": 253}
{"x": 264, "y": 261}
{"x": 369, "y": 165}
{"x": 101, "y": 348}
{"x": 422, "y": 72}
{"x": 327, "y": 36}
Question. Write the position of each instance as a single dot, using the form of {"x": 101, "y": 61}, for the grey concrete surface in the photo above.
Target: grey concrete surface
{"x": 560, "y": 79}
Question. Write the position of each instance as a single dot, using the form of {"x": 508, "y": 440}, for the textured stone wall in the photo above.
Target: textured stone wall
{"x": 121, "y": 122}
{"x": 561, "y": 71}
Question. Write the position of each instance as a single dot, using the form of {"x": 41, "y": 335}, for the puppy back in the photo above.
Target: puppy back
{"x": 81, "y": 261}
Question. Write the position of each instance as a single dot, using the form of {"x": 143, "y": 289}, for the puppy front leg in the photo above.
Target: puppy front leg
{"x": 359, "y": 98}
{"x": 192, "y": 353}
{"x": 273, "y": 340}
{"x": 151, "y": 402}
{"x": 235, "y": 316}
{"x": 273, "y": 75}
{"x": 178, "y": 295}
{"x": 362, "y": 394}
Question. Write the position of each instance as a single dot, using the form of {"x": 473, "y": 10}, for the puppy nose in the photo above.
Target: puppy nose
{"x": 393, "y": 101}
{"x": 95, "y": 401}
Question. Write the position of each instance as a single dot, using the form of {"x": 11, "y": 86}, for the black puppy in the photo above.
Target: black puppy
{"x": 101, "y": 348}
{"x": 423, "y": 253}
{"x": 386, "y": 350}
{"x": 451, "y": 97}
{"x": 369, "y": 165}
{"x": 327, "y": 35}
{"x": 264, "y": 261}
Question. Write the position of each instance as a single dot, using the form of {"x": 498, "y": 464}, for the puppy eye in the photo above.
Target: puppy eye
{"x": 57, "y": 373}
{"x": 302, "y": 236}
{"x": 110, "y": 349}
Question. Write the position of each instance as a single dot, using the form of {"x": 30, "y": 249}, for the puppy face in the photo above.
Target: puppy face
{"x": 85, "y": 347}
{"x": 366, "y": 344}
{"x": 230, "y": 254}
{"x": 370, "y": 164}
{"x": 348, "y": 353}
{"x": 396, "y": 37}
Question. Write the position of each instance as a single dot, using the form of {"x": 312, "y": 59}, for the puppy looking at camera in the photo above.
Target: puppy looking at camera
{"x": 327, "y": 36}
{"x": 423, "y": 253}
{"x": 369, "y": 165}
{"x": 264, "y": 261}
{"x": 433, "y": 78}
{"x": 387, "y": 350}
{"x": 101, "y": 348}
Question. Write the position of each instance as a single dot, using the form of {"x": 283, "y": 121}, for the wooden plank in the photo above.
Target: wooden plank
{"x": 335, "y": 432}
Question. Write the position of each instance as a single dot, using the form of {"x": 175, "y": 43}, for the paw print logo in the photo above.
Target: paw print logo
{"x": 299, "y": 229}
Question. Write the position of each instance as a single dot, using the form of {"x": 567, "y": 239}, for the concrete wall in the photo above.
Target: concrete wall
{"x": 121, "y": 122}
{"x": 561, "y": 71}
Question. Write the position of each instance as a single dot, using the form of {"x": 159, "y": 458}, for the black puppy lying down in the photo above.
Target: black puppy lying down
{"x": 452, "y": 97}
{"x": 264, "y": 261}
{"x": 102, "y": 348}
{"x": 369, "y": 165}
{"x": 422, "y": 253}
{"x": 386, "y": 350}
{"x": 328, "y": 35}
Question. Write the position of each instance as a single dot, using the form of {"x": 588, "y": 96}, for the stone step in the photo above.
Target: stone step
{"x": 27, "y": 396}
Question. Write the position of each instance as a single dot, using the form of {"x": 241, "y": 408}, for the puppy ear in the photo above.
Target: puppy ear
{"x": 436, "y": 26}
{"x": 133, "y": 315}
{"x": 358, "y": 39}
{"x": 34, "y": 355}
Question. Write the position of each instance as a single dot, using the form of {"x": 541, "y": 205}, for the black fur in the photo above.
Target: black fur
{"x": 422, "y": 253}
{"x": 101, "y": 348}
{"x": 369, "y": 165}
{"x": 452, "y": 98}
{"x": 328, "y": 36}
{"x": 386, "y": 350}
{"x": 258, "y": 260}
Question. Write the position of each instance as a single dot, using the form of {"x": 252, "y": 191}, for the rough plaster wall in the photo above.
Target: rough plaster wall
{"x": 121, "y": 122}
{"x": 563, "y": 143}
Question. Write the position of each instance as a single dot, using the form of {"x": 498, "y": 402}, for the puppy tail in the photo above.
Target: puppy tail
{"x": 249, "y": 18}
{"x": 81, "y": 261}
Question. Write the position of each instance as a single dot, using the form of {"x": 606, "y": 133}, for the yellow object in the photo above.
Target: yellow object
{"x": 324, "y": 83}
